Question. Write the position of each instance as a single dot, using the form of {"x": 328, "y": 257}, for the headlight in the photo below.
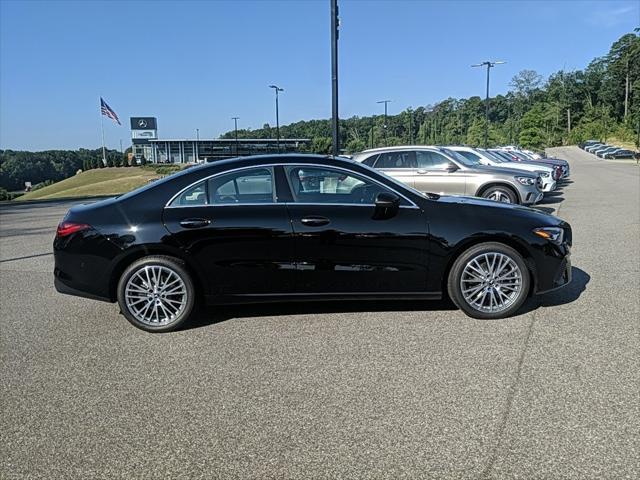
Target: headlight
{"x": 545, "y": 174}
{"x": 553, "y": 234}
{"x": 526, "y": 180}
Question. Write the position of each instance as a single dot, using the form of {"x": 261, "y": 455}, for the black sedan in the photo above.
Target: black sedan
{"x": 621, "y": 153}
{"x": 296, "y": 227}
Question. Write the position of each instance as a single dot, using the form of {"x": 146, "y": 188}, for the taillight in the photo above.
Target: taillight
{"x": 67, "y": 228}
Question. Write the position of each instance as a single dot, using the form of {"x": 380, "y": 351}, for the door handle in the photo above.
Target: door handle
{"x": 315, "y": 221}
{"x": 195, "y": 222}
{"x": 422, "y": 171}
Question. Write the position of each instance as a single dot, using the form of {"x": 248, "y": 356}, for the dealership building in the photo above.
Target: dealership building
{"x": 145, "y": 143}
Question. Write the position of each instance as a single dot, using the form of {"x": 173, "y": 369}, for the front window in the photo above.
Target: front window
{"x": 430, "y": 160}
{"x": 326, "y": 185}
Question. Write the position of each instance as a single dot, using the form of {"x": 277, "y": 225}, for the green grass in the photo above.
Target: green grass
{"x": 622, "y": 144}
{"x": 101, "y": 181}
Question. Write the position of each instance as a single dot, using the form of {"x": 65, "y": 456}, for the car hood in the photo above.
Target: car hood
{"x": 526, "y": 165}
{"x": 502, "y": 209}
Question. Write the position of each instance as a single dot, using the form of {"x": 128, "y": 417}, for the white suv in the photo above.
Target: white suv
{"x": 485, "y": 158}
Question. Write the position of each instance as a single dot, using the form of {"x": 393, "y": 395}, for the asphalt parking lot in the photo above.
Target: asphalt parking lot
{"x": 369, "y": 390}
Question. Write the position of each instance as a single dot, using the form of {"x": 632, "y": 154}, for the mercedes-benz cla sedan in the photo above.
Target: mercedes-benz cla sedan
{"x": 296, "y": 227}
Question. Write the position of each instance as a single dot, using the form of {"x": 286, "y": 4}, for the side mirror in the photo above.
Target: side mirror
{"x": 452, "y": 167}
{"x": 387, "y": 205}
{"x": 387, "y": 200}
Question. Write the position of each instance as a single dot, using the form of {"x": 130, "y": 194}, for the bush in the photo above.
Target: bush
{"x": 40, "y": 185}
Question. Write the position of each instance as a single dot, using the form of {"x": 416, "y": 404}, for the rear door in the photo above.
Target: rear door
{"x": 400, "y": 164}
{"x": 236, "y": 232}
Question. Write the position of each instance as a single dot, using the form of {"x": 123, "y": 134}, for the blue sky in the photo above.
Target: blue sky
{"x": 196, "y": 64}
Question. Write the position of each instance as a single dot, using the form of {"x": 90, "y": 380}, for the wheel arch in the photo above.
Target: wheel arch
{"x": 511, "y": 188}
{"x": 136, "y": 253}
{"x": 498, "y": 238}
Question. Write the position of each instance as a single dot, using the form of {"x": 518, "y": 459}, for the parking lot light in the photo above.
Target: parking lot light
{"x": 277, "y": 89}
{"x": 489, "y": 65}
{"x": 384, "y": 126}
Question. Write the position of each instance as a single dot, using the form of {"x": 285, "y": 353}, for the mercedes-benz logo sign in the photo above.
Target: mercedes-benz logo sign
{"x": 142, "y": 123}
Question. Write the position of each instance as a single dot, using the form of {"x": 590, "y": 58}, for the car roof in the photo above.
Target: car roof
{"x": 397, "y": 147}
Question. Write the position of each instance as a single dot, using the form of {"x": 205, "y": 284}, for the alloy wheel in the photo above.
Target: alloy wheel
{"x": 491, "y": 282}
{"x": 155, "y": 295}
{"x": 499, "y": 196}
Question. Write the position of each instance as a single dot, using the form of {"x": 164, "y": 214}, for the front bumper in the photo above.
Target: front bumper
{"x": 562, "y": 277}
{"x": 531, "y": 197}
{"x": 548, "y": 186}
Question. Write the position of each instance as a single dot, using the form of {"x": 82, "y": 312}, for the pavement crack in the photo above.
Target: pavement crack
{"x": 509, "y": 403}
{"x": 26, "y": 257}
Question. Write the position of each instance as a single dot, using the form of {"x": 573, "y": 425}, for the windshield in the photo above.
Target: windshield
{"x": 492, "y": 156}
{"x": 503, "y": 155}
{"x": 459, "y": 158}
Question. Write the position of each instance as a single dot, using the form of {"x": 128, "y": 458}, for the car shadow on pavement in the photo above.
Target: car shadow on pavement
{"x": 548, "y": 210}
{"x": 550, "y": 200}
{"x": 212, "y": 315}
{"x": 562, "y": 296}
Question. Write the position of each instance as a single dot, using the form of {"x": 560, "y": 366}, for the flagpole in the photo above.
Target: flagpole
{"x": 104, "y": 157}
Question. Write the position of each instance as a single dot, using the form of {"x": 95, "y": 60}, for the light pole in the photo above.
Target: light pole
{"x": 197, "y": 144}
{"x": 277, "y": 89}
{"x": 334, "y": 78}
{"x": 385, "y": 119}
{"x": 489, "y": 65}
{"x": 235, "y": 121}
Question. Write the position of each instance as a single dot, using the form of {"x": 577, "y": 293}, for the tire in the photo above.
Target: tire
{"x": 512, "y": 290}
{"x": 156, "y": 293}
{"x": 500, "y": 193}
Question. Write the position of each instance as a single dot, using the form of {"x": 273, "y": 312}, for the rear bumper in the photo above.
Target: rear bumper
{"x": 66, "y": 289}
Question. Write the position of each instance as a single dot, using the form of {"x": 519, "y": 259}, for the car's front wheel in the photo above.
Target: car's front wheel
{"x": 499, "y": 193}
{"x": 156, "y": 293}
{"x": 488, "y": 281}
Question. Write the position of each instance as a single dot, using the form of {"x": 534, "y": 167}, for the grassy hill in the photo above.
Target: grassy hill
{"x": 102, "y": 181}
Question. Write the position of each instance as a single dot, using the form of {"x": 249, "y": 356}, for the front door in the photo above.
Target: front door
{"x": 236, "y": 234}
{"x": 433, "y": 176}
{"x": 342, "y": 244}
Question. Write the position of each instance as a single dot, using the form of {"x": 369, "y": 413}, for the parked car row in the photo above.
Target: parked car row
{"x": 504, "y": 174}
{"x": 606, "y": 151}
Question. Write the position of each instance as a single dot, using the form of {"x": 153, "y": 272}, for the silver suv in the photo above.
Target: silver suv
{"x": 440, "y": 170}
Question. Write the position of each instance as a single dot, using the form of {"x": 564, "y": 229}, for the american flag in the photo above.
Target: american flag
{"x": 107, "y": 111}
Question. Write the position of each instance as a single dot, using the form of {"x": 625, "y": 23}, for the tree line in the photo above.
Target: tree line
{"x": 17, "y": 167}
{"x": 599, "y": 102}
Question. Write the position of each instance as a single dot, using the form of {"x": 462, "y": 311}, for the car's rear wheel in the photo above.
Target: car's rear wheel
{"x": 500, "y": 193}
{"x": 488, "y": 281}
{"x": 156, "y": 293}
